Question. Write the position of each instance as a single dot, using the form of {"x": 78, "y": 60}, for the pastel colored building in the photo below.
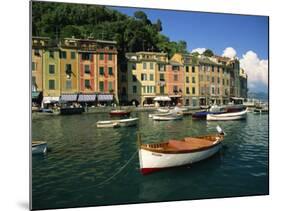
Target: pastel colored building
{"x": 39, "y": 45}
{"x": 106, "y": 66}
{"x": 51, "y": 73}
{"x": 206, "y": 80}
{"x": 143, "y": 76}
{"x": 190, "y": 78}
{"x": 69, "y": 73}
{"x": 97, "y": 66}
{"x": 175, "y": 82}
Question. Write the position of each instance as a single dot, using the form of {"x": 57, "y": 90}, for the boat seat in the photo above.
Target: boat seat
{"x": 189, "y": 144}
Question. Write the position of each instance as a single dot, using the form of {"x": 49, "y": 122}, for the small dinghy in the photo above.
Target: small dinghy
{"x": 117, "y": 123}
{"x": 39, "y": 147}
{"x": 228, "y": 116}
{"x": 119, "y": 113}
{"x": 172, "y": 153}
{"x": 167, "y": 117}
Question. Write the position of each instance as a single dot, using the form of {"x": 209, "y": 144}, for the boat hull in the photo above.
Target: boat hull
{"x": 227, "y": 116}
{"x": 127, "y": 122}
{"x": 167, "y": 118}
{"x": 203, "y": 114}
{"x": 107, "y": 125}
{"x": 40, "y": 148}
{"x": 117, "y": 123}
{"x": 154, "y": 161}
{"x": 120, "y": 113}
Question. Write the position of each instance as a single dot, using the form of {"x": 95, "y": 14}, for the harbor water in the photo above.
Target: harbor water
{"x": 90, "y": 166}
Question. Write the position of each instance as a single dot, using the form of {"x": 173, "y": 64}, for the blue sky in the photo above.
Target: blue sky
{"x": 247, "y": 35}
{"x": 211, "y": 30}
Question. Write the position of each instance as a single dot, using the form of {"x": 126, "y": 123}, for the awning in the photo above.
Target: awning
{"x": 49, "y": 99}
{"x": 105, "y": 97}
{"x": 162, "y": 98}
{"x": 86, "y": 98}
{"x": 237, "y": 98}
{"x": 68, "y": 97}
{"x": 35, "y": 95}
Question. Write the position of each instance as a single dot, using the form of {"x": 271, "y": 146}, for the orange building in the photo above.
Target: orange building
{"x": 106, "y": 65}
{"x": 175, "y": 81}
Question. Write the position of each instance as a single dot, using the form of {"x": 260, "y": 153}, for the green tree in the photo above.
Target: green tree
{"x": 208, "y": 53}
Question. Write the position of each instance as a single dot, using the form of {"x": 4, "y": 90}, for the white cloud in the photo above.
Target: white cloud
{"x": 199, "y": 50}
{"x": 229, "y": 52}
{"x": 256, "y": 69}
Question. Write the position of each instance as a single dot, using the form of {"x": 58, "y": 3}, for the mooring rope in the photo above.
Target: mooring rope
{"x": 118, "y": 172}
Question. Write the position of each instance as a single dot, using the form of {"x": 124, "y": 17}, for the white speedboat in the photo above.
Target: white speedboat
{"x": 172, "y": 116}
{"x": 107, "y": 124}
{"x": 163, "y": 110}
{"x": 172, "y": 153}
{"x": 228, "y": 116}
{"x": 117, "y": 123}
{"x": 39, "y": 147}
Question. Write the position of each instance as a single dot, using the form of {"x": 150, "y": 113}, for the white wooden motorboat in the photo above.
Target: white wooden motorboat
{"x": 172, "y": 153}
{"x": 128, "y": 122}
{"x": 107, "y": 124}
{"x": 160, "y": 114}
{"x": 117, "y": 123}
{"x": 163, "y": 110}
{"x": 228, "y": 116}
{"x": 171, "y": 116}
{"x": 39, "y": 147}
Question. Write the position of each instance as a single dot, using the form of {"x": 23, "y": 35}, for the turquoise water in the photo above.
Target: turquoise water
{"x": 82, "y": 166}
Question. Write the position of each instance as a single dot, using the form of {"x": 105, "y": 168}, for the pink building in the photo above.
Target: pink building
{"x": 175, "y": 81}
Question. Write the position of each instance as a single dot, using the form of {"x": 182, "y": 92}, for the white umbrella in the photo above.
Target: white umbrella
{"x": 162, "y": 98}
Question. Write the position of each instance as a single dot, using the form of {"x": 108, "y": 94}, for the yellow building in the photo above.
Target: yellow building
{"x": 143, "y": 75}
{"x": 206, "y": 79}
{"x": 39, "y": 45}
{"x": 69, "y": 66}
{"x": 51, "y": 73}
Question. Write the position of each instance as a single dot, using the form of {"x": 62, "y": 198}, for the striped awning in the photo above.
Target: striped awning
{"x": 105, "y": 97}
{"x": 86, "y": 98}
{"x": 68, "y": 97}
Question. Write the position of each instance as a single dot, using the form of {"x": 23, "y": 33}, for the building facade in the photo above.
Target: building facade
{"x": 146, "y": 75}
{"x": 74, "y": 66}
{"x": 51, "y": 72}
{"x": 39, "y": 45}
{"x": 69, "y": 74}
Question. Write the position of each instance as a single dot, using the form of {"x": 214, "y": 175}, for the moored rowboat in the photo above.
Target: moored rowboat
{"x": 174, "y": 116}
{"x": 172, "y": 153}
{"x": 228, "y": 116}
{"x": 107, "y": 124}
{"x": 119, "y": 113}
{"x": 117, "y": 123}
{"x": 39, "y": 147}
